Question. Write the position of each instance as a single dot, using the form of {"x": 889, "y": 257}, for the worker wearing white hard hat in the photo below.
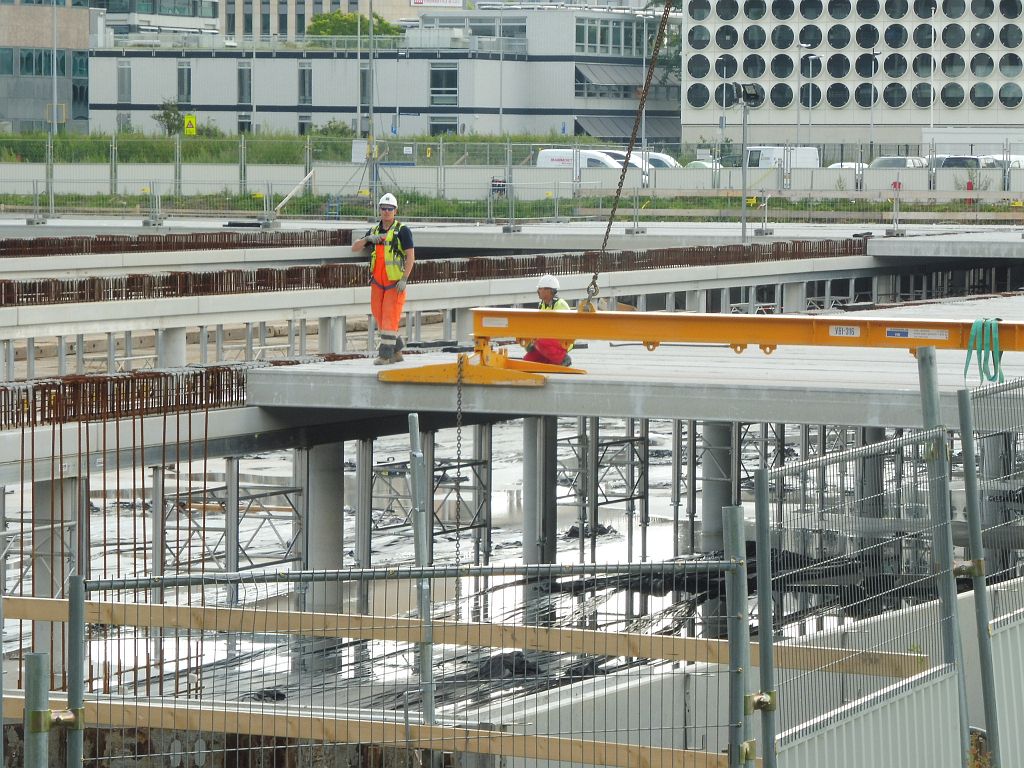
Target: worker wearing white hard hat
{"x": 549, "y": 351}
{"x": 391, "y": 262}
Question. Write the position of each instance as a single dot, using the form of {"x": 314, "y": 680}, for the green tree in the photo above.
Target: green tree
{"x": 335, "y": 128}
{"x": 338, "y": 24}
{"x": 170, "y": 117}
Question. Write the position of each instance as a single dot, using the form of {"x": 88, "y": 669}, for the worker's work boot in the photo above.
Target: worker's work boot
{"x": 397, "y": 356}
{"x": 567, "y": 361}
{"x": 385, "y": 355}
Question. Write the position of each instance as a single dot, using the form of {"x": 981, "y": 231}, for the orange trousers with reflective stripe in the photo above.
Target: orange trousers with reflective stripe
{"x": 386, "y": 306}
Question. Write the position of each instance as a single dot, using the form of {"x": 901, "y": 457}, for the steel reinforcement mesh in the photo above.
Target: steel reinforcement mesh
{"x": 998, "y": 414}
{"x": 854, "y": 575}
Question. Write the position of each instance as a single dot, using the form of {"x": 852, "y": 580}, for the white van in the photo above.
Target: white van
{"x": 566, "y": 158}
{"x": 776, "y": 157}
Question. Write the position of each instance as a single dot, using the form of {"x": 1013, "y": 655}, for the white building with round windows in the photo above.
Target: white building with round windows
{"x": 830, "y": 71}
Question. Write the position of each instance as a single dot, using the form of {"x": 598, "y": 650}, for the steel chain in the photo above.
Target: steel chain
{"x": 592, "y": 289}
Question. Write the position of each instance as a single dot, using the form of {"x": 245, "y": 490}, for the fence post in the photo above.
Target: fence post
{"x": 49, "y": 169}
{"x": 76, "y": 670}
{"x": 113, "y": 164}
{"x": 422, "y": 516}
{"x": 740, "y": 743}
{"x": 177, "y": 165}
{"x": 942, "y": 537}
{"x": 765, "y": 616}
{"x": 242, "y": 170}
{"x": 982, "y": 612}
{"x": 37, "y": 710}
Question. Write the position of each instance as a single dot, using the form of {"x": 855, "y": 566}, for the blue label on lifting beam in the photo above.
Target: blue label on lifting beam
{"x": 917, "y": 333}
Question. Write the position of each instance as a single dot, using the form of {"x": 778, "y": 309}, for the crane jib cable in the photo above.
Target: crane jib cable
{"x": 592, "y": 290}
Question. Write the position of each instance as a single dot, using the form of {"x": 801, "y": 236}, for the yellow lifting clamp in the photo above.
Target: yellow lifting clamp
{"x": 489, "y": 365}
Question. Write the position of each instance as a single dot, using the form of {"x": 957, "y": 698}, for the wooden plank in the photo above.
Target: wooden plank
{"x": 290, "y": 723}
{"x": 402, "y": 630}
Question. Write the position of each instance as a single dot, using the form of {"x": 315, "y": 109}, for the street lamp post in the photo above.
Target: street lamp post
{"x": 811, "y": 58}
{"x": 748, "y": 96}
{"x": 931, "y": 71}
{"x": 720, "y": 69}
{"x": 871, "y": 86}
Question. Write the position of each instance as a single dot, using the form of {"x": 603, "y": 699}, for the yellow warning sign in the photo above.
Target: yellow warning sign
{"x": 190, "y": 125}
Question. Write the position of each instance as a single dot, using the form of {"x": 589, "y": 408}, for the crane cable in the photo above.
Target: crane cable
{"x": 587, "y": 305}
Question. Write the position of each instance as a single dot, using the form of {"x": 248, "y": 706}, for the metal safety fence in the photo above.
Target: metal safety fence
{"x": 854, "y": 554}
{"x": 482, "y": 666}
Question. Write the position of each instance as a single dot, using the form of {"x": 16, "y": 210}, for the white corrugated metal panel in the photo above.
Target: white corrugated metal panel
{"x": 917, "y": 726}
{"x": 1008, "y": 662}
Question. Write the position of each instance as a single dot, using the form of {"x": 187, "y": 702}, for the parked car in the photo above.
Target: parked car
{"x": 661, "y": 160}
{"x": 910, "y": 161}
{"x": 587, "y": 158}
{"x": 776, "y": 157}
{"x": 971, "y": 162}
{"x": 635, "y": 160}
{"x": 703, "y": 164}
{"x": 858, "y": 167}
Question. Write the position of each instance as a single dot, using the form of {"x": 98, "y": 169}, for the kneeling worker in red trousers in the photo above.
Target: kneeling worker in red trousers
{"x": 549, "y": 351}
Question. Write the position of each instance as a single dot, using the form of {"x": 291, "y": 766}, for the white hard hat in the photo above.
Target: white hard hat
{"x": 388, "y": 199}
{"x": 548, "y": 281}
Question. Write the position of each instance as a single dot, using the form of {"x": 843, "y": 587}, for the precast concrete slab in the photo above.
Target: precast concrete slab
{"x": 968, "y": 244}
{"x": 864, "y": 387}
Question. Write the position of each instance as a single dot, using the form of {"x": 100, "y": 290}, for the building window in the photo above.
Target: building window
{"x": 244, "y": 122}
{"x": 184, "y": 82}
{"x": 439, "y": 126}
{"x": 305, "y": 82}
{"x": 79, "y": 99}
{"x": 364, "y": 87}
{"x": 245, "y": 82}
{"x": 124, "y": 82}
{"x": 124, "y": 122}
{"x": 6, "y": 61}
{"x": 282, "y": 24}
{"x": 305, "y": 125}
{"x": 444, "y": 85}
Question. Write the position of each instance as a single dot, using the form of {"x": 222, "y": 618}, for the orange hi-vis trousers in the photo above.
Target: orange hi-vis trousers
{"x": 386, "y": 306}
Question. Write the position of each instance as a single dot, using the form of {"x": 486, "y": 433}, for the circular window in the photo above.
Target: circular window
{"x": 810, "y": 95}
{"x": 923, "y": 65}
{"x": 699, "y": 38}
{"x": 982, "y": 35}
{"x": 924, "y": 34}
{"x": 726, "y": 37}
{"x": 1010, "y": 95}
{"x": 894, "y": 95}
{"x": 952, "y": 95}
{"x": 758, "y": 99}
{"x": 838, "y": 36}
{"x": 953, "y": 9}
{"x": 837, "y": 95}
{"x": 981, "y": 65}
{"x": 697, "y": 95}
{"x": 953, "y": 36}
{"x": 726, "y": 93}
{"x": 727, "y": 9}
{"x": 810, "y": 65}
{"x": 981, "y": 94}
{"x": 810, "y": 36}
{"x": 753, "y": 66}
{"x": 867, "y": 9}
{"x": 782, "y": 37}
{"x": 781, "y": 95}
{"x": 867, "y": 64}
{"x": 1010, "y": 36}
{"x": 698, "y": 66}
{"x": 700, "y": 9}
{"x": 953, "y": 65}
{"x": 754, "y": 9}
{"x": 894, "y": 65}
{"x": 782, "y": 66}
{"x": 782, "y": 9}
{"x": 725, "y": 66}
{"x": 838, "y": 66}
{"x": 896, "y": 36}
{"x": 810, "y": 9}
{"x": 922, "y": 95}
{"x": 982, "y": 9}
{"x": 1010, "y": 9}
{"x": 867, "y": 36}
{"x": 896, "y": 9}
{"x": 754, "y": 37}
{"x": 924, "y": 9}
{"x": 839, "y": 9}
{"x": 1010, "y": 65}
{"x": 865, "y": 94}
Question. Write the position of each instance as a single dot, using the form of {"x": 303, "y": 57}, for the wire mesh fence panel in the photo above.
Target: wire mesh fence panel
{"x": 998, "y": 411}
{"x": 517, "y": 666}
{"x": 855, "y": 576}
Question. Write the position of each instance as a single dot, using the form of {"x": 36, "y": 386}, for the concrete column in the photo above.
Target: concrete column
{"x": 218, "y": 344}
{"x": 463, "y": 325}
{"x": 232, "y": 545}
{"x": 62, "y": 361}
{"x": 371, "y": 334}
{"x": 539, "y": 510}
{"x": 670, "y": 301}
{"x": 331, "y": 335}
{"x": 482, "y": 453}
{"x": 54, "y": 510}
{"x": 547, "y": 447}
{"x": 30, "y": 357}
{"x": 173, "y": 352}
{"x": 249, "y": 343}
{"x": 446, "y": 324}
{"x": 716, "y": 492}
{"x": 794, "y": 297}
{"x": 302, "y": 336}
{"x": 111, "y": 353}
{"x": 204, "y": 344}
{"x": 364, "y": 522}
{"x": 128, "y": 350}
{"x": 726, "y": 301}
{"x": 641, "y": 302}
{"x": 291, "y": 337}
{"x": 532, "y": 491}
{"x": 79, "y": 356}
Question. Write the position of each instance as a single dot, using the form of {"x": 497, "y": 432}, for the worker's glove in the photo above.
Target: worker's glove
{"x": 400, "y": 285}
{"x": 373, "y": 239}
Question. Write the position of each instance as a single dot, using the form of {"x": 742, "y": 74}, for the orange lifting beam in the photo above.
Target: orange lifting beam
{"x": 766, "y": 332}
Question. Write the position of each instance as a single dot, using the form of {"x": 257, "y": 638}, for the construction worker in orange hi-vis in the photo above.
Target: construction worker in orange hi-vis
{"x": 391, "y": 264}
{"x": 549, "y": 351}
